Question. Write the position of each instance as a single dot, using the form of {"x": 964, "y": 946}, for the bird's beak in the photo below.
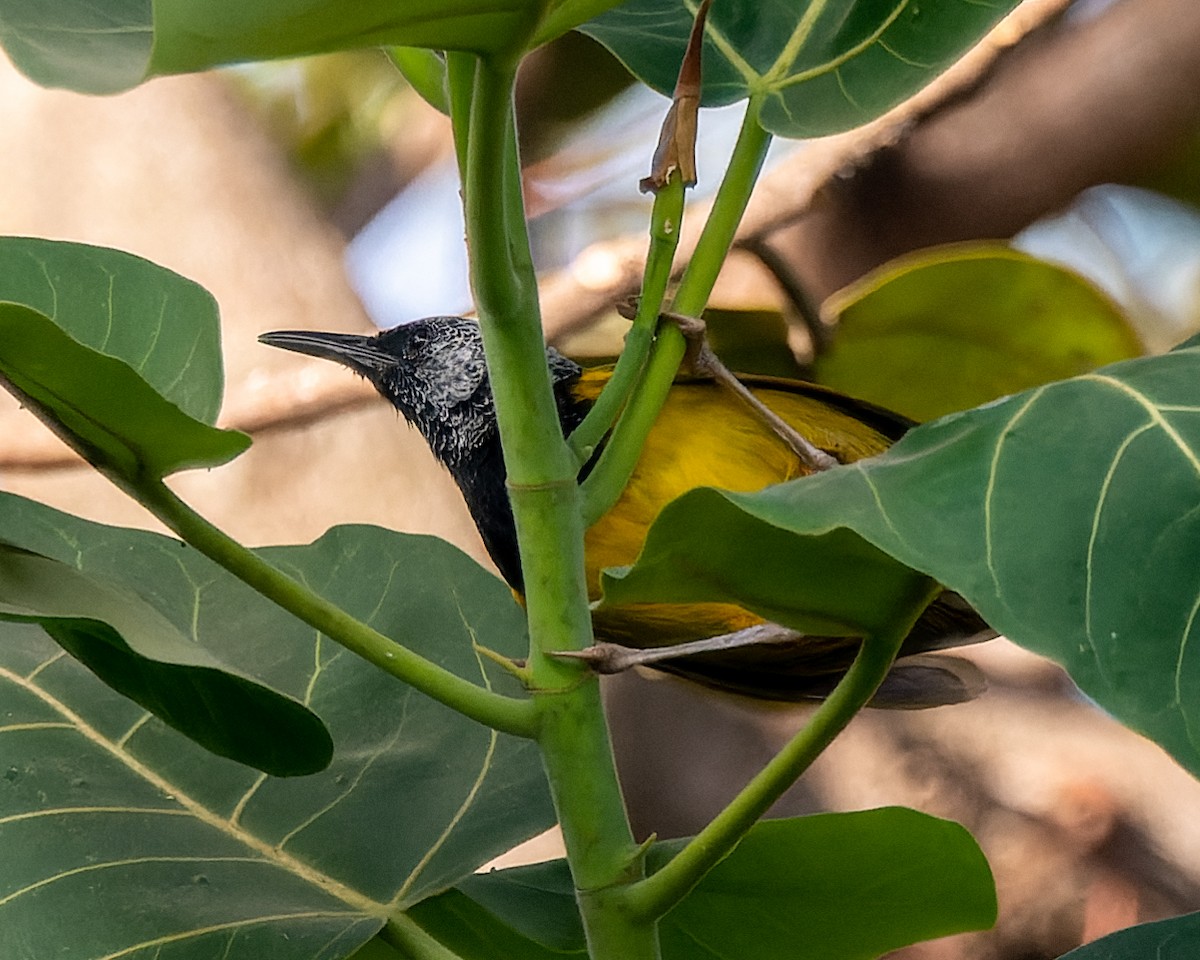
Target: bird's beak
{"x": 355, "y": 351}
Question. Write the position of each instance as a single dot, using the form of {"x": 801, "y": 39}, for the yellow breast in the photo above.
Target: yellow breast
{"x": 706, "y": 436}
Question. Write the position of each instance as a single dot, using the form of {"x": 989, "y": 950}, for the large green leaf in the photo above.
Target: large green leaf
{"x": 1066, "y": 514}
{"x": 954, "y": 327}
{"x": 1174, "y": 939}
{"x": 164, "y": 326}
{"x": 100, "y": 406}
{"x": 816, "y": 66}
{"x": 140, "y": 653}
{"x": 142, "y": 838}
{"x": 840, "y": 886}
{"x": 474, "y": 932}
{"x": 702, "y": 549}
{"x": 120, "y": 357}
{"x": 116, "y": 45}
{"x": 79, "y": 44}
{"x": 752, "y": 341}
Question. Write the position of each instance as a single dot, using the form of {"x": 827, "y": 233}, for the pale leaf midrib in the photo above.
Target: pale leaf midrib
{"x": 779, "y": 77}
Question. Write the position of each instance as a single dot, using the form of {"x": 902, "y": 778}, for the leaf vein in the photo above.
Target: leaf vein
{"x": 79, "y": 811}
{"x": 877, "y": 497}
{"x": 44, "y": 664}
{"x": 302, "y": 870}
{"x": 1183, "y": 646}
{"x": 350, "y": 786}
{"x": 1093, "y": 536}
{"x": 218, "y": 927}
{"x": 847, "y": 55}
{"x": 989, "y": 493}
{"x": 40, "y": 725}
{"x": 726, "y": 48}
{"x": 903, "y": 59}
{"x": 1155, "y": 413}
{"x": 126, "y": 862}
{"x": 156, "y": 334}
{"x": 134, "y": 728}
{"x": 473, "y": 792}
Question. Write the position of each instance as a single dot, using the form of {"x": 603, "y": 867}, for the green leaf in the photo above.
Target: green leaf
{"x": 1065, "y": 514}
{"x": 955, "y": 327}
{"x": 1140, "y": 247}
{"x": 376, "y": 949}
{"x": 143, "y": 838}
{"x": 138, "y": 652}
{"x": 89, "y": 47}
{"x": 537, "y": 902}
{"x": 1174, "y": 939}
{"x": 425, "y": 71}
{"x": 838, "y": 886}
{"x": 475, "y": 933}
{"x": 752, "y": 341}
{"x": 100, "y": 406}
{"x": 704, "y": 547}
{"x": 116, "y": 45}
{"x": 119, "y": 356}
{"x": 166, "y": 327}
{"x": 816, "y": 68}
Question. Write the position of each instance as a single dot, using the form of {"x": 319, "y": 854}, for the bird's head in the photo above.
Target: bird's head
{"x": 432, "y": 370}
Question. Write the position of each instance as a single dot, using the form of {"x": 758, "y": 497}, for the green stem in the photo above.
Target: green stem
{"x": 406, "y": 936}
{"x": 666, "y": 219}
{"x": 500, "y": 712}
{"x": 657, "y": 894}
{"x": 545, "y": 500}
{"x": 624, "y": 447}
{"x": 720, "y": 228}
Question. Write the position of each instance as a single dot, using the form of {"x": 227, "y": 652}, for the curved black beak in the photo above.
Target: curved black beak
{"x": 358, "y": 352}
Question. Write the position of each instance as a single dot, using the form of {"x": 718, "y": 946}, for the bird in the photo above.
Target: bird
{"x": 434, "y": 372}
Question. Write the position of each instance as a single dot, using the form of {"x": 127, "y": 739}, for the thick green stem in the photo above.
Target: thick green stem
{"x": 658, "y": 893}
{"x": 506, "y": 291}
{"x": 624, "y": 448}
{"x": 545, "y": 501}
{"x": 500, "y": 712}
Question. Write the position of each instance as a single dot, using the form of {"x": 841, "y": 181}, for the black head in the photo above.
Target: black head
{"x": 433, "y": 371}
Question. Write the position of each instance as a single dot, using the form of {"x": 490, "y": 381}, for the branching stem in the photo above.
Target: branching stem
{"x": 666, "y": 219}
{"x": 546, "y": 509}
{"x": 624, "y": 447}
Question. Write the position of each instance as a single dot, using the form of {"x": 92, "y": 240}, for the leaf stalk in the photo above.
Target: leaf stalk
{"x": 665, "y": 222}
{"x": 658, "y": 893}
{"x": 500, "y": 712}
{"x": 406, "y": 936}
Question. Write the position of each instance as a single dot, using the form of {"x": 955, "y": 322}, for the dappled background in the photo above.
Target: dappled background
{"x": 321, "y": 194}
